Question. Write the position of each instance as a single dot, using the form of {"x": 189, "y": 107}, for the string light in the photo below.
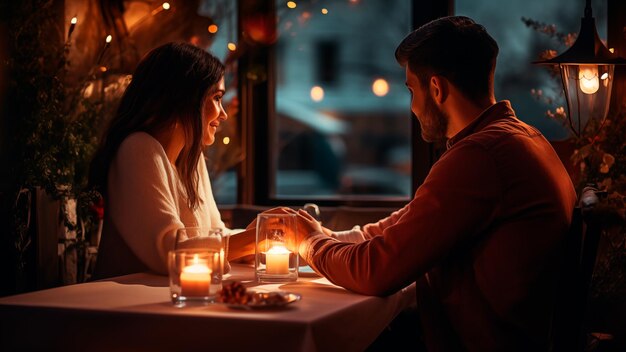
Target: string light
{"x": 165, "y": 6}
{"x": 226, "y": 140}
{"x": 324, "y": 11}
{"x": 213, "y": 28}
{"x": 291, "y": 4}
{"x": 72, "y": 26}
{"x": 232, "y": 46}
{"x": 107, "y": 42}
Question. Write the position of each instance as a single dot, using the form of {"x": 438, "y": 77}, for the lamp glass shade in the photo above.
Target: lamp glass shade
{"x": 588, "y": 93}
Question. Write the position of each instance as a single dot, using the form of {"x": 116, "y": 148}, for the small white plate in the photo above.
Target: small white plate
{"x": 268, "y": 300}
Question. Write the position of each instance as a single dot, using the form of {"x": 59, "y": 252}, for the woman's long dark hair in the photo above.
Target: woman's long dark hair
{"x": 168, "y": 86}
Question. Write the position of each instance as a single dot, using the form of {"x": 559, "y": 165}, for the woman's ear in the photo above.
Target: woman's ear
{"x": 439, "y": 89}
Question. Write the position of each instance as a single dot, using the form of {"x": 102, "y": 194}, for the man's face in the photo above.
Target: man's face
{"x": 433, "y": 121}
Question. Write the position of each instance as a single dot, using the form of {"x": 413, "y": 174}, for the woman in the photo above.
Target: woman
{"x": 150, "y": 168}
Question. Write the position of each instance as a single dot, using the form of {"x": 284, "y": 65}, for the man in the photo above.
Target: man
{"x": 482, "y": 234}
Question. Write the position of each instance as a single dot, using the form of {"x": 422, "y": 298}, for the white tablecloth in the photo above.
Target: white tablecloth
{"x": 134, "y": 312}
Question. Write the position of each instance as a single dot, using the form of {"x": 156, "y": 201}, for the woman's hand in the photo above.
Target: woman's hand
{"x": 277, "y": 210}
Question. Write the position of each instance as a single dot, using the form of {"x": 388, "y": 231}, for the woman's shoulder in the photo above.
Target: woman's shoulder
{"x": 139, "y": 140}
{"x": 140, "y": 144}
{"x": 141, "y": 148}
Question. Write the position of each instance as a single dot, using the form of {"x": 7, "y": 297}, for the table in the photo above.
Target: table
{"x": 134, "y": 313}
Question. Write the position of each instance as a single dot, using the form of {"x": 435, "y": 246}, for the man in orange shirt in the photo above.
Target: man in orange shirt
{"x": 481, "y": 236}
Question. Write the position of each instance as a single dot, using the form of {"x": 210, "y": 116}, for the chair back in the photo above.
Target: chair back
{"x": 568, "y": 332}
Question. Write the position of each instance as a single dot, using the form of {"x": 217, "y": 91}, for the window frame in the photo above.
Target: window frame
{"x": 257, "y": 107}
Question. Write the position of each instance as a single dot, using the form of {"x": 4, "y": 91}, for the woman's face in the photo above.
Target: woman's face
{"x": 213, "y": 112}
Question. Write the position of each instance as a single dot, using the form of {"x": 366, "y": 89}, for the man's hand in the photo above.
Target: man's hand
{"x": 307, "y": 226}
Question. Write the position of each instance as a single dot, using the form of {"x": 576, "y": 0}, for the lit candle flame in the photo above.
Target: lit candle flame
{"x": 278, "y": 250}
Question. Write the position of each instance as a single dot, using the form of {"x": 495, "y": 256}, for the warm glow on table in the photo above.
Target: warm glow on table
{"x": 195, "y": 279}
{"x": 277, "y": 260}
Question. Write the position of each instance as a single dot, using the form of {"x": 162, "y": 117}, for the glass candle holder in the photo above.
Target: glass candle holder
{"x": 213, "y": 239}
{"x": 275, "y": 239}
{"x": 195, "y": 275}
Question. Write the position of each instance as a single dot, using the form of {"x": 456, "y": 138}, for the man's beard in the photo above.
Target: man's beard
{"x": 436, "y": 126}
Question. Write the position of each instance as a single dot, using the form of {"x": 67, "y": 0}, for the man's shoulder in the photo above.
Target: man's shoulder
{"x": 508, "y": 129}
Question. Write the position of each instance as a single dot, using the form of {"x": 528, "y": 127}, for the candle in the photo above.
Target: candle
{"x": 222, "y": 260}
{"x": 277, "y": 260}
{"x": 195, "y": 279}
{"x": 72, "y": 26}
{"x": 107, "y": 42}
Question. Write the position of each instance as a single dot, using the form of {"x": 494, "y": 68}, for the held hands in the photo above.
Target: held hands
{"x": 277, "y": 210}
{"x": 242, "y": 246}
{"x": 307, "y": 225}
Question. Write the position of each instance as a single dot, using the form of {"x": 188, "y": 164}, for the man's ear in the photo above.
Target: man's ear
{"x": 439, "y": 89}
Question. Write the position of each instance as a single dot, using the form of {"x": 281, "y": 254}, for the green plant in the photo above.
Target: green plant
{"x": 53, "y": 124}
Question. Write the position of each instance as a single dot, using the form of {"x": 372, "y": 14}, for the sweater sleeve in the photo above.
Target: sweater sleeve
{"x": 458, "y": 200}
{"x": 354, "y": 235}
{"x": 143, "y": 200}
{"x": 377, "y": 228}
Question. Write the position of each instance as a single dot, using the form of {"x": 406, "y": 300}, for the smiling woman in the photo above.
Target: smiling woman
{"x": 213, "y": 112}
{"x": 150, "y": 167}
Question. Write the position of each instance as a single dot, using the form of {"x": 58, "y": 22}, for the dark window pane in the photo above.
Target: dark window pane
{"x": 343, "y": 123}
{"x": 225, "y": 153}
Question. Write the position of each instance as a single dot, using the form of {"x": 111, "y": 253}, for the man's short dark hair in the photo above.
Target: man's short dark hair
{"x": 455, "y": 47}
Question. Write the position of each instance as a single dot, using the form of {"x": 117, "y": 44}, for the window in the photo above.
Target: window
{"x": 342, "y": 111}
{"x": 325, "y": 111}
{"x": 327, "y": 62}
{"x": 225, "y": 153}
